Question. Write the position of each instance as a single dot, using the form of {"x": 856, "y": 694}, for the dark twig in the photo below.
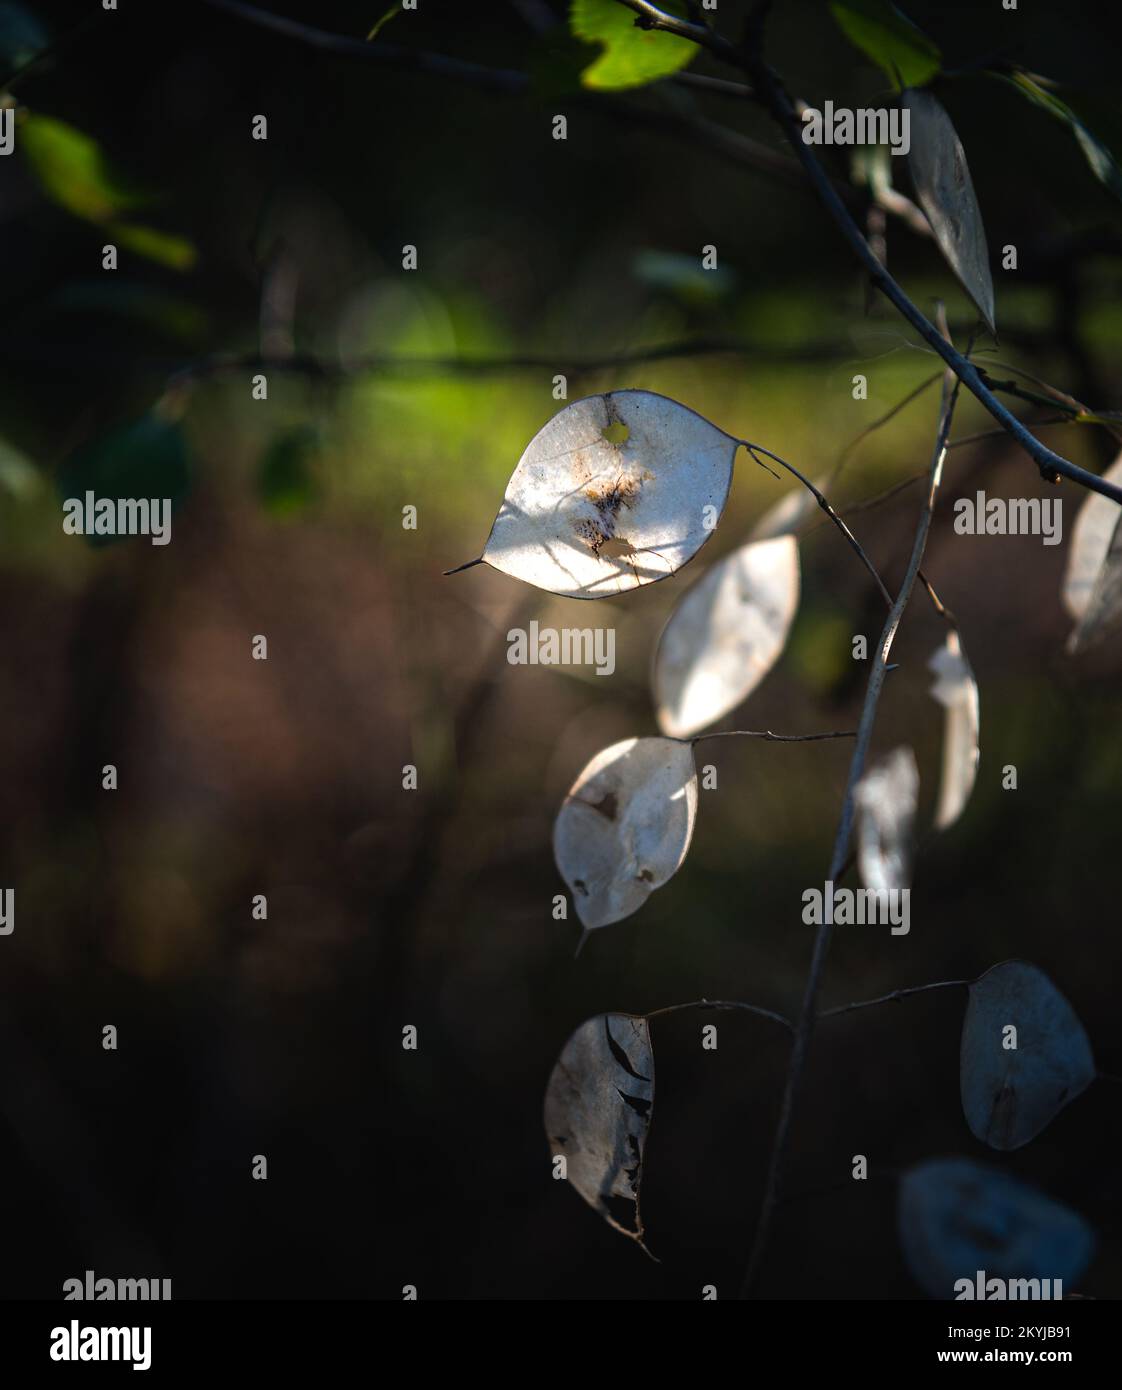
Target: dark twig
{"x": 700, "y": 133}
{"x": 723, "y": 1004}
{"x": 895, "y": 995}
{"x": 768, "y": 735}
{"x": 824, "y": 935}
{"x": 1052, "y": 466}
{"x": 825, "y": 505}
{"x": 232, "y": 364}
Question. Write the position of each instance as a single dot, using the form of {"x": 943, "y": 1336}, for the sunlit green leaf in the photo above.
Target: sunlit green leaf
{"x": 1102, "y": 162}
{"x": 890, "y": 39}
{"x": 146, "y": 458}
{"x": 632, "y": 56}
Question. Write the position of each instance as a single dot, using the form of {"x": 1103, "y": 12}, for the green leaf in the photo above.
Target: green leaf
{"x": 75, "y": 172}
{"x": 1102, "y": 162}
{"x": 286, "y": 479}
{"x": 146, "y": 458}
{"x": 176, "y": 252}
{"x": 72, "y": 168}
{"x": 890, "y": 39}
{"x": 22, "y": 36}
{"x": 632, "y": 57}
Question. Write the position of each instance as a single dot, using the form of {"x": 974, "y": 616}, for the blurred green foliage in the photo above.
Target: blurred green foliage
{"x": 75, "y": 172}
{"x": 287, "y": 479}
{"x": 146, "y": 458}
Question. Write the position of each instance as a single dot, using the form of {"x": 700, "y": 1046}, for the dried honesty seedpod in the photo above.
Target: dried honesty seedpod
{"x": 1105, "y": 606}
{"x": 956, "y": 1218}
{"x": 1092, "y": 590}
{"x": 625, "y": 826}
{"x": 1010, "y": 1093}
{"x": 946, "y": 193}
{"x": 598, "y": 1111}
{"x": 885, "y": 800}
{"x": 615, "y": 492}
{"x": 725, "y": 634}
{"x": 956, "y": 689}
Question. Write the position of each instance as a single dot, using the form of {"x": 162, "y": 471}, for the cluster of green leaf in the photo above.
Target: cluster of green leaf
{"x": 633, "y": 56}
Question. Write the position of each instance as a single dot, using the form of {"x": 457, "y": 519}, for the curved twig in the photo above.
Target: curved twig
{"x": 826, "y": 507}
{"x": 890, "y": 998}
{"x": 724, "y": 1004}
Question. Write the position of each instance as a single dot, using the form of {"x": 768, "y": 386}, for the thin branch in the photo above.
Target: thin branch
{"x": 718, "y": 86}
{"x": 771, "y": 93}
{"x": 824, "y": 935}
{"x": 1080, "y": 413}
{"x": 884, "y": 496}
{"x": 651, "y": 17}
{"x": 940, "y": 607}
{"x": 303, "y": 364}
{"x": 891, "y": 998}
{"x": 767, "y": 734}
{"x": 380, "y": 54}
{"x": 723, "y": 1004}
{"x": 825, "y": 505}
{"x": 979, "y": 435}
{"x": 913, "y": 394}
{"x": 1052, "y": 466}
{"x": 699, "y": 132}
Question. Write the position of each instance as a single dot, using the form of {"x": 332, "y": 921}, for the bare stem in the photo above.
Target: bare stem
{"x": 724, "y": 1004}
{"x": 824, "y": 935}
{"x": 753, "y": 449}
{"x": 317, "y": 368}
{"x": 895, "y": 995}
{"x": 1052, "y": 466}
{"x": 651, "y": 17}
{"x": 767, "y": 734}
{"x": 913, "y": 394}
{"x": 770, "y": 92}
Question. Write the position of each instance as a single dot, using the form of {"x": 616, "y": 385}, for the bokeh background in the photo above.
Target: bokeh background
{"x": 283, "y": 777}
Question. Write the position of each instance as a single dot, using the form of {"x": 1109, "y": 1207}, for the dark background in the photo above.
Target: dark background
{"x": 433, "y": 908}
